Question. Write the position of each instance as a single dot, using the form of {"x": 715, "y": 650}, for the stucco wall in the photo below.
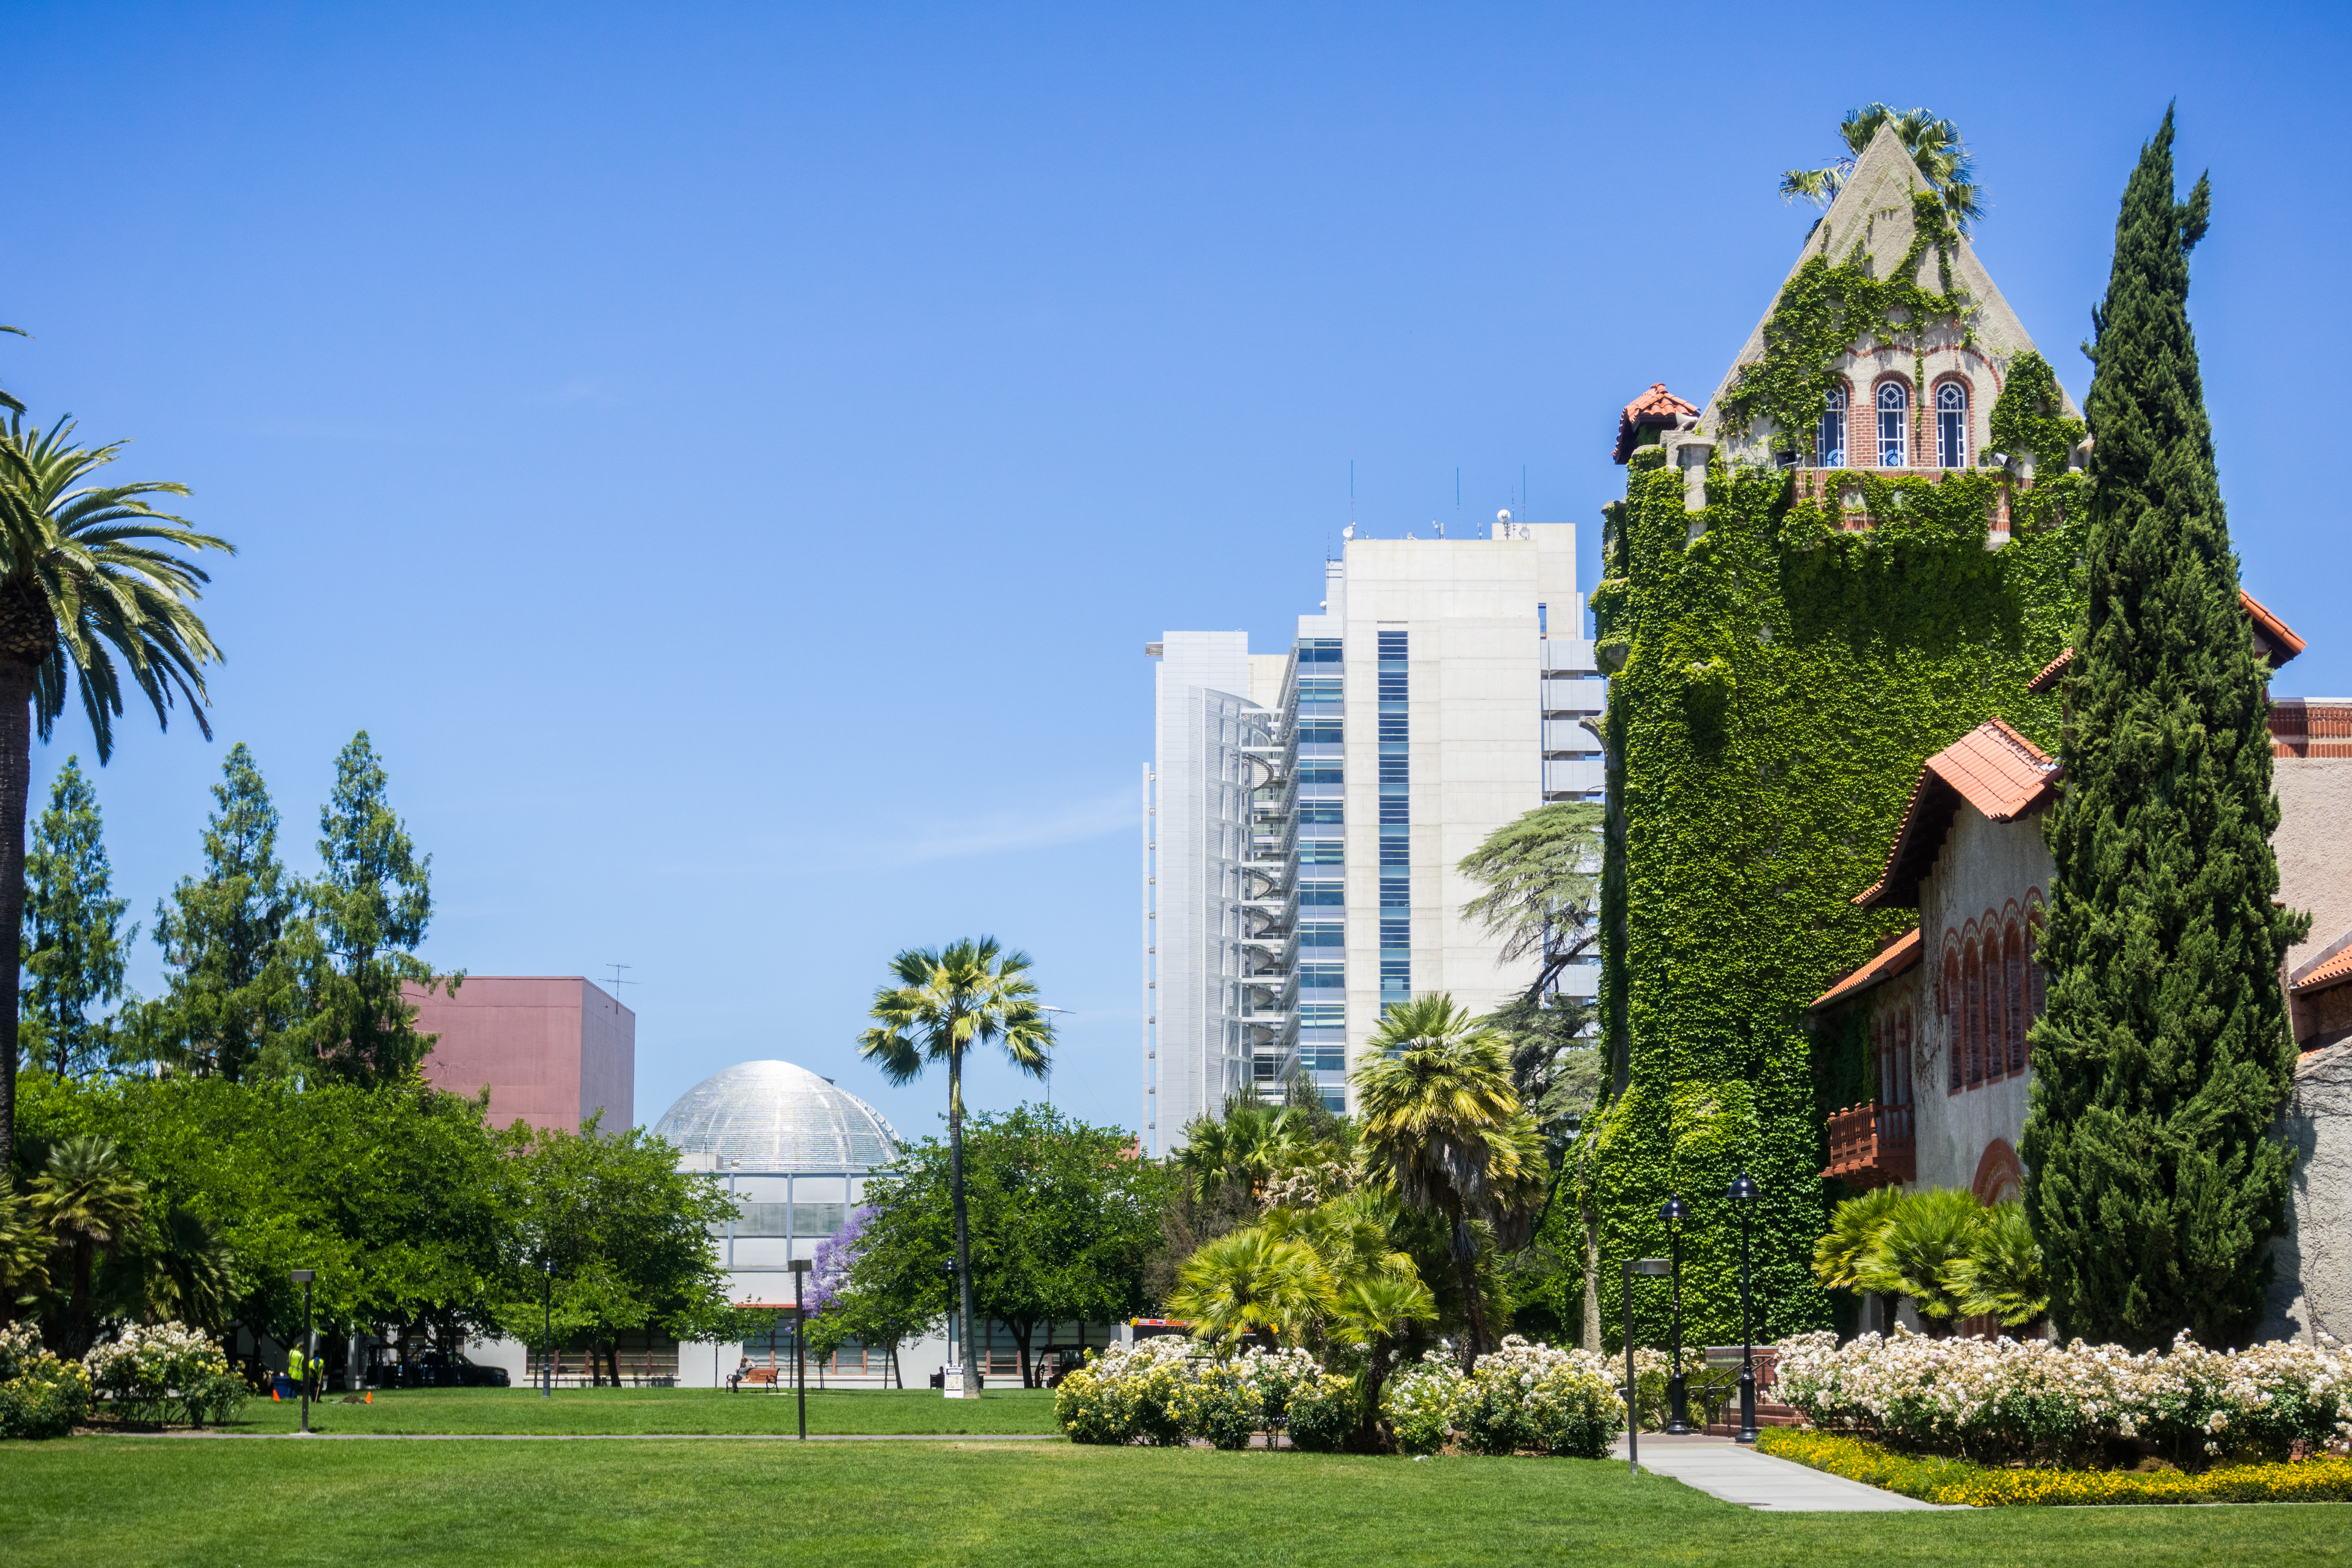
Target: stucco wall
{"x": 2315, "y": 798}
{"x": 2311, "y": 1291}
{"x": 551, "y": 1048}
{"x": 1986, "y": 869}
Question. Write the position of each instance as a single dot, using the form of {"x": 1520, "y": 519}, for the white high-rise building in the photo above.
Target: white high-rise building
{"x": 1306, "y": 811}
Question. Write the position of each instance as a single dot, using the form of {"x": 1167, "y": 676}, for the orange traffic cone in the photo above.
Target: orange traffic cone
{"x": 371, "y": 1396}
{"x": 273, "y": 1394}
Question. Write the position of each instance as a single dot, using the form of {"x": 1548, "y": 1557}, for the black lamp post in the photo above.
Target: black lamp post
{"x": 949, "y": 1385}
{"x": 303, "y": 1277}
{"x": 547, "y": 1327}
{"x": 1677, "y": 1386}
{"x": 799, "y": 1343}
{"x": 1743, "y": 1195}
{"x": 1633, "y": 1389}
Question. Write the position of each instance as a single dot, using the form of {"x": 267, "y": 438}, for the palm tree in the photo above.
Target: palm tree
{"x": 7, "y": 401}
{"x": 23, "y": 1256}
{"x": 1841, "y": 1254}
{"x": 1252, "y": 1281}
{"x": 1924, "y": 1235}
{"x": 2003, "y": 1276}
{"x": 1440, "y": 1127}
{"x": 84, "y": 589}
{"x": 948, "y": 1001}
{"x": 1943, "y": 160}
{"x": 85, "y": 1200}
{"x": 1376, "y": 1311}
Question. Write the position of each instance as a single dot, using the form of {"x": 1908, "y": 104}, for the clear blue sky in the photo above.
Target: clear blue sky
{"x": 731, "y": 459}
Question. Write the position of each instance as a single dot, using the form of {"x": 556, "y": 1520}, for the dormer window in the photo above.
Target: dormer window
{"x": 1951, "y": 426}
{"x": 1893, "y": 424}
{"x": 1829, "y": 441}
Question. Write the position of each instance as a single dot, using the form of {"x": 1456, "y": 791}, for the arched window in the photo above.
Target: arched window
{"x": 1996, "y": 1039}
{"x": 1972, "y": 1013}
{"x": 2013, "y": 965}
{"x": 1902, "y": 1056}
{"x": 1947, "y": 1003}
{"x": 1951, "y": 426}
{"x": 1893, "y": 424}
{"x": 1829, "y": 441}
{"x": 2037, "y": 979}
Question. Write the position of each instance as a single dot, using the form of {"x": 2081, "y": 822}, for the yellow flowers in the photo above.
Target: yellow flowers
{"x": 1957, "y": 1481}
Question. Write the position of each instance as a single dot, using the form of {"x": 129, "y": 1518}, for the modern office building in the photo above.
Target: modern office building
{"x": 553, "y": 1049}
{"x": 1306, "y": 811}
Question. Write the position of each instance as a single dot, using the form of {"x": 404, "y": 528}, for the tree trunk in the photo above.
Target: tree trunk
{"x": 1591, "y": 1221}
{"x": 1023, "y": 1328}
{"x": 897, "y": 1375}
{"x": 16, "y": 784}
{"x": 77, "y": 1335}
{"x": 1376, "y": 1373}
{"x": 1465, "y": 1264}
{"x": 962, "y": 1306}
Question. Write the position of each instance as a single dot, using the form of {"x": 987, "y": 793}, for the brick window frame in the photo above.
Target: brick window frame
{"x": 1933, "y": 407}
{"x": 1910, "y": 411}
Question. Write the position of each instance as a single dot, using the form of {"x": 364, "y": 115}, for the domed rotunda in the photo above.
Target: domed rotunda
{"x": 792, "y": 1149}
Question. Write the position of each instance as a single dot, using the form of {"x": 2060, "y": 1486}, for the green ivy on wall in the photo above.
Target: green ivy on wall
{"x": 1780, "y": 679}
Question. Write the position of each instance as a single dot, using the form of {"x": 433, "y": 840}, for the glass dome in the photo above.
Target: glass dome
{"x": 774, "y": 1116}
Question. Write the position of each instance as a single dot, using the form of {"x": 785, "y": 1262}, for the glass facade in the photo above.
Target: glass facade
{"x": 1396, "y": 821}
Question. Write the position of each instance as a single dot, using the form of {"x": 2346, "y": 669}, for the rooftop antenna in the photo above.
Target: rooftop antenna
{"x": 618, "y": 981}
{"x": 1458, "y": 501}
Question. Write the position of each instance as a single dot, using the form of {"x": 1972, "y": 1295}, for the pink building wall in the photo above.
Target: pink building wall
{"x": 553, "y": 1048}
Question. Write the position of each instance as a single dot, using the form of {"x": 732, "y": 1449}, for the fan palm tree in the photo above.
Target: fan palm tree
{"x": 7, "y": 401}
{"x": 1376, "y": 1311}
{"x": 1927, "y": 1232}
{"x": 91, "y": 586}
{"x": 1943, "y": 160}
{"x": 946, "y": 1002}
{"x": 23, "y": 1256}
{"x": 1853, "y": 1237}
{"x": 1440, "y": 1127}
{"x": 85, "y": 1200}
{"x": 2002, "y": 1277}
{"x": 1252, "y": 1281}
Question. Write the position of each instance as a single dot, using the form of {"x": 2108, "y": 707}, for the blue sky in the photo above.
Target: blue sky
{"x": 730, "y": 459}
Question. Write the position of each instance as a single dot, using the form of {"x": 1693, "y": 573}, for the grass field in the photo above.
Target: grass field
{"x": 127, "y": 1502}
{"x": 895, "y": 1412}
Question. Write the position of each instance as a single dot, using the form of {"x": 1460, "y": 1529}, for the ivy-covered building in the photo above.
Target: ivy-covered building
{"x": 1860, "y": 549}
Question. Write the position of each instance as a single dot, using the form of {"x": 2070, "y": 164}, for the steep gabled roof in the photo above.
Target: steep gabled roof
{"x": 1874, "y": 209}
{"x": 1655, "y": 409}
{"x": 1992, "y": 768}
{"x": 1899, "y": 955}
{"x": 2273, "y": 636}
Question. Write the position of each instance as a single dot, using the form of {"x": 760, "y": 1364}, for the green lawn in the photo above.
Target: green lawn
{"x": 895, "y": 1412}
{"x": 124, "y": 1502}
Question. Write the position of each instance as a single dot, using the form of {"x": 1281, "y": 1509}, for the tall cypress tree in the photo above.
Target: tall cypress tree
{"x": 2153, "y": 1180}
{"x": 233, "y": 990}
{"x": 72, "y": 942}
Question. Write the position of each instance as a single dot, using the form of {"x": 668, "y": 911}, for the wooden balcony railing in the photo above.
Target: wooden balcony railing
{"x": 1872, "y": 1145}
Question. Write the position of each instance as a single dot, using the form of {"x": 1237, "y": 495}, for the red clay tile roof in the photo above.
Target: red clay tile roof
{"x": 2328, "y": 970}
{"x": 2278, "y": 642}
{"x": 1991, "y": 768}
{"x": 1654, "y": 409}
{"x": 1900, "y": 955}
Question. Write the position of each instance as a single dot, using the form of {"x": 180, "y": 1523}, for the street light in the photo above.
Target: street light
{"x": 303, "y": 1277}
{"x": 951, "y": 1386}
{"x": 799, "y": 1343}
{"x": 1633, "y": 1390}
{"x": 546, "y": 1328}
{"x": 1677, "y": 1386}
{"x": 1743, "y": 1195}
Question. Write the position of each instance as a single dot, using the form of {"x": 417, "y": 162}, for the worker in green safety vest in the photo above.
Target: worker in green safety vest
{"x": 297, "y": 1368}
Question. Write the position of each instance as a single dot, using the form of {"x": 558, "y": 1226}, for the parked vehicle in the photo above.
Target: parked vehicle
{"x": 439, "y": 1369}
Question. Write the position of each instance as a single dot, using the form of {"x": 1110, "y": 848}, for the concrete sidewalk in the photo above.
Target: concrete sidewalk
{"x": 1720, "y": 1468}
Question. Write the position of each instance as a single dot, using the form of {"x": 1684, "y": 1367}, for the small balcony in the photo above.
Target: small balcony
{"x": 1873, "y": 1146}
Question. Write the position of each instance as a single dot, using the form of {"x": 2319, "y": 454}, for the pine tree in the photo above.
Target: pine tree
{"x": 2153, "y": 1180}
{"x": 233, "y": 990}
{"x": 364, "y": 919}
{"x": 73, "y": 947}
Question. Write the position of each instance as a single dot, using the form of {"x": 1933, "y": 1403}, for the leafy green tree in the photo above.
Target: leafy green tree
{"x": 73, "y": 944}
{"x": 1542, "y": 876}
{"x": 85, "y": 1200}
{"x": 89, "y": 588}
{"x": 1442, "y": 1129}
{"x": 234, "y": 991}
{"x": 1943, "y": 160}
{"x": 946, "y": 1002}
{"x": 2153, "y": 1180}
{"x": 365, "y": 915}
{"x": 628, "y": 1232}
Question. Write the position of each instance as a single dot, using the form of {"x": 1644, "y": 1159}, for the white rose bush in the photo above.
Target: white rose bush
{"x": 150, "y": 1370}
{"x": 1994, "y": 1400}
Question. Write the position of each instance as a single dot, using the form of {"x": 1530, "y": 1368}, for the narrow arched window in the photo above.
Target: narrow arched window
{"x": 1948, "y": 1004}
{"x": 1829, "y": 441}
{"x": 1893, "y": 424}
{"x": 1972, "y": 1013}
{"x": 2013, "y": 966}
{"x": 2037, "y": 979}
{"x": 1996, "y": 1042}
{"x": 1951, "y": 426}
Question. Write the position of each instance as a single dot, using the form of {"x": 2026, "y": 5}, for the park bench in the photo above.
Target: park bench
{"x": 762, "y": 1374}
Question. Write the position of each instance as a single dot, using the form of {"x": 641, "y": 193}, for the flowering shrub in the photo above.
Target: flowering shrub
{"x": 1221, "y": 1402}
{"x": 1991, "y": 1399}
{"x": 1420, "y": 1401}
{"x": 1958, "y": 1481}
{"x": 1534, "y": 1397}
{"x": 151, "y": 1368}
{"x": 1323, "y": 1414}
{"x": 1126, "y": 1394}
{"x": 40, "y": 1396}
{"x": 1652, "y": 1369}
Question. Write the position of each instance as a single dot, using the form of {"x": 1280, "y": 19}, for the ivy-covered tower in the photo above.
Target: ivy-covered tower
{"x": 1863, "y": 547}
